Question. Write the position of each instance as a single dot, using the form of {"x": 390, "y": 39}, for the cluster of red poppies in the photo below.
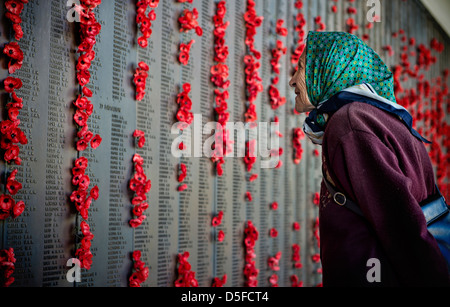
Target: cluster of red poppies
{"x": 89, "y": 29}
{"x": 83, "y": 253}
{"x": 424, "y": 57}
{"x": 182, "y": 173}
{"x": 415, "y": 99}
{"x": 250, "y": 270}
{"x": 80, "y": 197}
{"x": 277, "y": 152}
{"x": 253, "y": 81}
{"x": 217, "y": 221}
{"x": 184, "y": 113}
{"x": 248, "y": 196}
{"x": 140, "y": 80}
{"x": 13, "y": 10}
{"x": 296, "y": 259}
{"x": 186, "y": 277}
{"x": 334, "y": 8}
{"x": 15, "y": 54}
{"x": 184, "y": 52}
{"x": 223, "y": 144}
{"x": 140, "y": 136}
{"x": 145, "y": 21}
{"x": 7, "y": 267}
{"x": 8, "y": 206}
{"x": 185, "y": 116}
{"x": 295, "y": 282}
{"x": 140, "y": 186}
{"x": 279, "y": 29}
{"x": 273, "y": 232}
{"x": 140, "y": 273}
{"x": 301, "y": 33}
{"x": 252, "y": 21}
{"x": 11, "y": 133}
{"x": 83, "y": 200}
{"x": 250, "y": 154}
{"x": 188, "y": 21}
{"x": 249, "y": 160}
{"x": 274, "y": 264}
{"x": 219, "y": 282}
{"x": 316, "y": 231}
{"x": 298, "y": 136}
{"x": 437, "y": 45}
{"x": 296, "y": 256}
{"x": 219, "y": 77}
{"x": 275, "y": 98}
{"x": 320, "y": 25}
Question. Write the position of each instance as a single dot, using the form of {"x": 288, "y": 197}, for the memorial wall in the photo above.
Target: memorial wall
{"x": 105, "y": 130}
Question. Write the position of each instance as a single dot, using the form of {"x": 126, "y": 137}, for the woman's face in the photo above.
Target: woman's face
{"x": 302, "y": 103}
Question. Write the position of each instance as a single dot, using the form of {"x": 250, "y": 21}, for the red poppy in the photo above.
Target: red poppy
{"x": 78, "y": 196}
{"x": 134, "y": 223}
{"x": 13, "y": 185}
{"x": 315, "y": 258}
{"x": 91, "y": 3}
{"x": 279, "y": 28}
{"x": 316, "y": 199}
{"x": 220, "y": 236}
{"x": 248, "y": 196}
{"x": 12, "y": 154}
{"x": 14, "y": 6}
{"x": 11, "y": 84}
{"x": 80, "y": 118}
{"x": 274, "y": 205}
{"x": 188, "y": 21}
{"x": 15, "y": 19}
{"x": 6, "y": 203}
{"x": 83, "y": 77}
{"x": 184, "y": 58}
{"x": 18, "y": 209}
{"x": 96, "y": 141}
{"x": 217, "y": 282}
{"x": 182, "y": 187}
{"x": 217, "y": 220}
{"x": 82, "y": 144}
{"x": 94, "y": 192}
{"x": 85, "y": 257}
{"x": 13, "y": 51}
{"x": 253, "y": 177}
{"x": 142, "y": 41}
{"x": 273, "y": 232}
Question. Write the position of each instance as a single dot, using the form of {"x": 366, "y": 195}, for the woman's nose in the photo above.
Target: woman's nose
{"x": 292, "y": 82}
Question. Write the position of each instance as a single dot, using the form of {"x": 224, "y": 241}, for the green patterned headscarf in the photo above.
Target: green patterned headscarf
{"x": 339, "y": 60}
{"x": 340, "y": 69}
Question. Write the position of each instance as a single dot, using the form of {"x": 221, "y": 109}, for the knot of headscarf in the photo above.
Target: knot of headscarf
{"x": 340, "y": 64}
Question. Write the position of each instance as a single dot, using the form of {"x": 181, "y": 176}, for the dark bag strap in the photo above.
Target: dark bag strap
{"x": 341, "y": 199}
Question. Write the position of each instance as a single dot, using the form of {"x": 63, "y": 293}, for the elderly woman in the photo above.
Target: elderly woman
{"x": 373, "y": 156}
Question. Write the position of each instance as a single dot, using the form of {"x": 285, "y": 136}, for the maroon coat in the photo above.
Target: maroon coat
{"x": 373, "y": 158}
